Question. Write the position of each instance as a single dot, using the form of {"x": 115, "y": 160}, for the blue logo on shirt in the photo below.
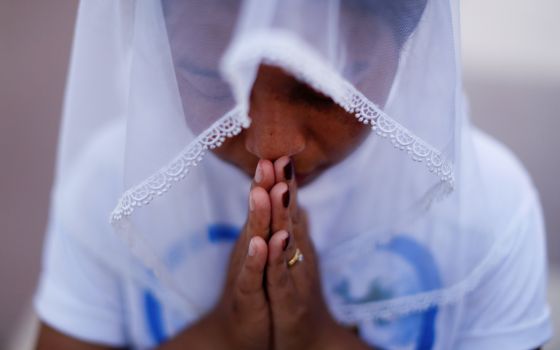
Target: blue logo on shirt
{"x": 418, "y": 328}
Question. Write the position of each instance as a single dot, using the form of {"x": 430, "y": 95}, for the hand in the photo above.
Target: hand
{"x": 299, "y": 313}
{"x": 243, "y": 312}
{"x": 300, "y": 317}
{"x": 285, "y": 312}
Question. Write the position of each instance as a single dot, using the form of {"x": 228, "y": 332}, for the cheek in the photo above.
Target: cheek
{"x": 338, "y": 134}
{"x": 348, "y": 141}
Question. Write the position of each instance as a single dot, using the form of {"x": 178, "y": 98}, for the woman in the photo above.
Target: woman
{"x": 301, "y": 228}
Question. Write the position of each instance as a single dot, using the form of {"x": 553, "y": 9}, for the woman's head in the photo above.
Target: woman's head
{"x": 288, "y": 117}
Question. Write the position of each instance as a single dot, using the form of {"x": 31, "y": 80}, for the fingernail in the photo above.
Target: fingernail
{"x": 252, "y": 248}
{"x": 286, "y": 242}
{"x": 258, "y": 173}
{"x": 289, "y": 170}
{"x": 286, "y": 198}
{"x": 251, "y": 202}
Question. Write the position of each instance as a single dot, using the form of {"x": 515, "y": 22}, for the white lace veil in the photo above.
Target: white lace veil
{"x": 175, "y": 76}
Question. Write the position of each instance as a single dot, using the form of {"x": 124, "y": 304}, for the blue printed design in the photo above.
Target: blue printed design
{"x": 222, "y": 232}
{"x": 426, "y": 269}
{"x": 175, "y": 257}
{"x": 420, "y": 273}
{"x": 154, "y": 317}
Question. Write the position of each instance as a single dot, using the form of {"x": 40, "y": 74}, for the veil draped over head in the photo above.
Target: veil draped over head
{"x": 173, "y": 80}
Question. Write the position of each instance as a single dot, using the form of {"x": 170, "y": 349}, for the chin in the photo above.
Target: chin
{"x": 304, "y": 179}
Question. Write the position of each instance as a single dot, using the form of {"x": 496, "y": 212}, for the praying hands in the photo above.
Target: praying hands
{"x": 273, "y": 298}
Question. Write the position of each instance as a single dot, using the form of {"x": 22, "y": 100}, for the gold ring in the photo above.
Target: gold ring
{"x": 298, "y": 256}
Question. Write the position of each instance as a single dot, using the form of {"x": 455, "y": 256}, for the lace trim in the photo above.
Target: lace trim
{"x": 229, "y": 125}
{"x": 310, "y": 69}
{"x": 290, "y": 53}
{"x": 402, "y": 138}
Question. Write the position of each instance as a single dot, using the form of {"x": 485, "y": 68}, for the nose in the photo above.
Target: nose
{"x": 276, "y": 130}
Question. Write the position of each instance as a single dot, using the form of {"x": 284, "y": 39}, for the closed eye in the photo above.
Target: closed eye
{"x": 304, "y": 93}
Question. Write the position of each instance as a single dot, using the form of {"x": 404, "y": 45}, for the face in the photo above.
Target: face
{"x": 290, "y": 118}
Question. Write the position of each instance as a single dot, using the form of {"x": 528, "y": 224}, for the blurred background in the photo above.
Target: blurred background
{"x": 511, "y": 53}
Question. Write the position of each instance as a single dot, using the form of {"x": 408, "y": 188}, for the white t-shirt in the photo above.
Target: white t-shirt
{"x": 82, "y": 295}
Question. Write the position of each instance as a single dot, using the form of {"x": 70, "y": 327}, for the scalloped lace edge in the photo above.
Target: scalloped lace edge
{"x": 401, "y": 138}
{"x": 160, "y": 182}
{"x": 304, "y": 64}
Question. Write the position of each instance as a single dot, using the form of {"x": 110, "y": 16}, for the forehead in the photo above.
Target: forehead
{"x": 200, "y": 30}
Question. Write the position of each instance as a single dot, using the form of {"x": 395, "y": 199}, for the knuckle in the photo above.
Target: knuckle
{"x": 278, "y": 262}
{"x": 278, "y": 279}
{"x": 251, "y": 268}
{"x": 242, "y": 291}
{"x": 237, "y": 305}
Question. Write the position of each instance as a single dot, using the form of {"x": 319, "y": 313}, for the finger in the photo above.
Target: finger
{"x": 280, "y": 199}
{"x": 278, "y": 279}
{"x": 306, "y": 272}
{"x": 258, "y": 217}
{"x": 250, "y": 278}
{"x": 264, "y": 175}
{"x": 258, "y": 221}
{"x": 284, "y": 171}
{"x": 303, "y": 240}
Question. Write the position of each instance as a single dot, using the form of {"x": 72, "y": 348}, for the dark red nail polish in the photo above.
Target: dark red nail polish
{"x": 286, "y": 198}
{"x": 289, "y": 170}
{"x": 286, "y": 242}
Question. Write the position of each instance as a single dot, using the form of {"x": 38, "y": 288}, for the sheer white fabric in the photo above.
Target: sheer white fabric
{"x": 178, "y": 75}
